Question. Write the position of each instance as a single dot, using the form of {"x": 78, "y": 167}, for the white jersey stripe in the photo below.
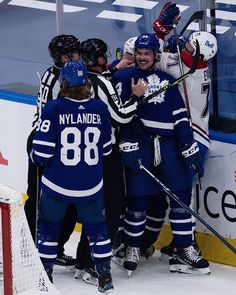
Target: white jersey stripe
{"x": 43, "y": 155}
{"x": 179, "y": 111}
{"x": 72, "y": 193}
{"x": 182, "y": 120}
{"x": 160, "y": 125}
{"x": 180, "y": 220}
{"x": 107, "y": 143}
{"x": 107, "y": 153}
{"x": 133, "y": 234}
{"x": 182, "y": 233}
{"x": 108, "y": 254}
{"x": 46, "y": 143}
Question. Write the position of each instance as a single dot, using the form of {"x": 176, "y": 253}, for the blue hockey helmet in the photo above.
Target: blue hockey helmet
{"x": 148, "y": 41}
{"x": 74, "y": 73}
{"x": 171, "y": 44}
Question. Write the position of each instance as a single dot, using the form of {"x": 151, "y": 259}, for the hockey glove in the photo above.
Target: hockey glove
{"x": 130, "y": 154}
{"x": 169, "y": 15}
{"x": 193, "y": 158}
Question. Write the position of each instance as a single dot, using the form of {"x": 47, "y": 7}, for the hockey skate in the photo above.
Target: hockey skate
{"x": 119, "y": 254}
{"x": 132, "y": 258}
{"x": 105, "y": 284}
{"x": 65, "y": 260}
{"x": 188, "y": 261}
{"x": 195, "y": 246}
{"x": 87, "y": 275}
{"x": 168, "y": 252}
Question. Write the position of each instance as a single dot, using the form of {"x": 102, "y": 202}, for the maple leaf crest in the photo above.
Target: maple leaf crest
{"x": 153, "y": 85}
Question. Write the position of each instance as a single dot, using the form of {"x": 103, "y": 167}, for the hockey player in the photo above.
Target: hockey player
{"x": 198, "y": 91}
{"x": 62, "y": 48}
{"x": 198, "y": 85}
{"x": 161, "y": 137}
{"x": 94, "y": 55}
{"x": 127, "y": 57}
{"x": 72, "y": 136}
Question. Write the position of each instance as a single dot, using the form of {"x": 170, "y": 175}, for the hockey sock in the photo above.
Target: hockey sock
{"x": 181, "y": 220}
{"x": 134, "y": 227}
{"x": 153, "y": 227}
{"x": 155, "y": 217}
{"x": 181, "y": 225}
{"x": 99, "y": 242}
{"x": 47, "y": 242}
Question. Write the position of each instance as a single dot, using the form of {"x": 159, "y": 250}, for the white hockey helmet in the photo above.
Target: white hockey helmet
{"x": 129, "y": 46}
{"x": 207, "y": 43}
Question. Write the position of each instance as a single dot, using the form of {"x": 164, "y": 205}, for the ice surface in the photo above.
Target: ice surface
{"x": 151, "y": 278}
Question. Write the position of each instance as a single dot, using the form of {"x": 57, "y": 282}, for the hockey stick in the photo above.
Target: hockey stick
{"x": 181, "y": 73}
{"x": 118, "y": 53}
{"x": 186, "y": 97}
{"x": 178, "y": 80}
{"x": 188, "y": 209}
{"x": 196, "y": 15}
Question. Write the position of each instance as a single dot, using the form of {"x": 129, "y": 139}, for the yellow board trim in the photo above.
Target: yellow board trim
{"x": 211, "y": 247}
{"x": 78, "y": 227}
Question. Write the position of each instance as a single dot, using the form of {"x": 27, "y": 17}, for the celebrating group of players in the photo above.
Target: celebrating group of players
{"x": 95, "y": 131}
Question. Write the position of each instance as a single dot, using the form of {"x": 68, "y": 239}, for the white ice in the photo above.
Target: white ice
{"x": 151, "y": 278}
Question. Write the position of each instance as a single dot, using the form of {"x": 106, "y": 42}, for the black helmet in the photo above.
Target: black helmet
{"x": 91, "y": 49}
{"x": 63, "y": 44}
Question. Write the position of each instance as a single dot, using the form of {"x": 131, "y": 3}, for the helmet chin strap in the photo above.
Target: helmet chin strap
{"x": 103, "y": 67}
{"x": 58, "y": 64}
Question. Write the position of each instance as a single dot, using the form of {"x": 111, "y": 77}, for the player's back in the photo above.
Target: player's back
{"x": 80, "y": 132}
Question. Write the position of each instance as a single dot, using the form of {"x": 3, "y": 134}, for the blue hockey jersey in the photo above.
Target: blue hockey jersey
{"x": 163, "y": 115}
{"x": 71, "y": 139}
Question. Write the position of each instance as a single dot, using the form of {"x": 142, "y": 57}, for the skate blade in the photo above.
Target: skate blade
{"x": 88, "y": 279}
{"x": 109, "y": 291}
{"x": 129, "y": 272}
{"x": 165, "y": 258}
{"x": 79, "y": 274}
{"x": 59, "y": 268}
{"x": 187, "y": 269}
{"x": 118, "y": 261}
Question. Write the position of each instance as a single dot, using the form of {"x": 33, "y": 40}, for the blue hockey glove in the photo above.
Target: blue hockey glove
{"x": 171, "y": 44}
{"x": 193, "y": 158}
{"x": 130, "y": 154}
{"x": 169, "y": 15}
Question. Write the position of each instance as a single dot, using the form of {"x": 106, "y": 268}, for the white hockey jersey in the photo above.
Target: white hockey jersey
{"x": 198, "y": 90}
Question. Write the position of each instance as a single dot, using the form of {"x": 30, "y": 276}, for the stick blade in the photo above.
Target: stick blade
{"x": 196, "y": 59}
{"x": 197, "y": 15}
{"x": 118, "y": 53}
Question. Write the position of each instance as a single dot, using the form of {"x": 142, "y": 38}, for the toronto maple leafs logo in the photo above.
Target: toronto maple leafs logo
{"x": 153, "y": 85}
